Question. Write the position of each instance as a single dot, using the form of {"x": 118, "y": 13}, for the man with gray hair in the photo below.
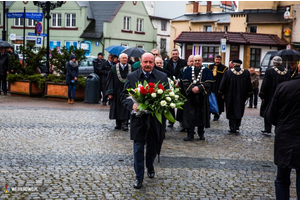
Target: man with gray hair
{"x": 115, "y": 83}
{"x": 273, "y": 76}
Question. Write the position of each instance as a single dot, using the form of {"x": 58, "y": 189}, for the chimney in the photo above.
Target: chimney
{"x": 195, "y": 7}
{"x": 208, "y": 7}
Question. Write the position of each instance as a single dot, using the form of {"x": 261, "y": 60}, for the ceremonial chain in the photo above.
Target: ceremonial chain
{"x": 280, "y": 72}
{"x": 199, "y": 75}
{"x": 236, "y": 72}
{"x": 119, "y": 74}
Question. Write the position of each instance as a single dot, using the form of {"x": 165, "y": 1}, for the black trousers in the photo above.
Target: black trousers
{"x": 268, "y": 126}
{"x": 3, "y": 83}
{"x": 121, "y": 123}
{"x": 234, "y": 124}
{"x": 255, "y": 93}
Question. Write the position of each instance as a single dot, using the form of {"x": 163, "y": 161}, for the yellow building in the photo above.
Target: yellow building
{"x": 254, "y": 23}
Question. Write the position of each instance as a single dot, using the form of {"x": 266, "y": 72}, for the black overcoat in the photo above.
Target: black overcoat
{"x": 268, "y": 86}
{"x": 196, "y": 108}
{"x": 138, "y": 126}
{"x": 220, "y": 70}
{"x": 114, "y": 87}
{"x": 236, "y": 89}
{"x": 284, "y": 113}
{"x": 180, "y": 64}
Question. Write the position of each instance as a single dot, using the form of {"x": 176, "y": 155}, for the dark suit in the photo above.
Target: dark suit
{"x": 140, "y": 132}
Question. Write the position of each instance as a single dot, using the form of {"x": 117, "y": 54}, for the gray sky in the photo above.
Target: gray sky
{"x": 169, "y": 9}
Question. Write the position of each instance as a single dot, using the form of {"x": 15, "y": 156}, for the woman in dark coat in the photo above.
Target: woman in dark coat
{"x": 284, "y": 113}
{"x": 71, "y": 78}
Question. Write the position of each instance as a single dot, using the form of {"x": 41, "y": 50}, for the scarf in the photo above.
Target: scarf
{"x": 73, "y": 64}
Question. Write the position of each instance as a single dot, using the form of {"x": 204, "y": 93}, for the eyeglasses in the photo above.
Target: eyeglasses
{"x": 155, "y": 54}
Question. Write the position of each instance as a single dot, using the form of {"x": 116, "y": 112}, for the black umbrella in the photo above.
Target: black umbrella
{"x": 4, "y": 44}
{"x": 289, "y": 54}
{"x": 134, "y": 52}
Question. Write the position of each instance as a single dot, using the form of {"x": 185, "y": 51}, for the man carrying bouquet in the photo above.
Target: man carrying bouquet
{"x": 145, "y": 129}
{"x": 197, "y": 81}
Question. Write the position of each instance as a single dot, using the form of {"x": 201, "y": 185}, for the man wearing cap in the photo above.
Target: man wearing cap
{"x": 235, "y": 88}
{"x": 273, "y": 76}
{"x": 218, "y": 70}
{"x": 97, "y": 63}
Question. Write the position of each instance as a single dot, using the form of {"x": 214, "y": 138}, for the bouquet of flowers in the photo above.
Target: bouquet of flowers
{"x": 156, "y": 99}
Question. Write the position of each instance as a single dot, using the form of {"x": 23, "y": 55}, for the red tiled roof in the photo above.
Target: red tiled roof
{"x": 232, "y": 38}
{"x": 228, "y": 3}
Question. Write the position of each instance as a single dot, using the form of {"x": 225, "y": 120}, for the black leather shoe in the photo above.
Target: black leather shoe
{"x": 231, "y": 131}
{"x": 255, "y": 106}
{"x": 201, "y": 137}
{"x": 264, "y": 131}
{"x": 104, "y": 103}
{"x": 170, "y": 125}
{"x": 183, "y": 130}
{"x": 138, "y": 184}
{"x": 118, "y": 127}
{"x": 125, "y": 128}
{"x": 151, "y": 173}
{"x": 216, "y": 117}
{"x": 189, "y": 139}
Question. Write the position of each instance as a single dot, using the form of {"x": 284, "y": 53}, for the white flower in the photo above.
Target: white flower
{"x": 172, "y": 82}
{"x": 163, "y": 103}
{"x": 172, "y": 94}
{"x": 176, "y": 96}
{"x": 160, "y": 91}
{"x": 153, "y": 95}
{"x": 140, "y": 85}
{"x": 168, "y": 99}
{"x": 172, "y": 105}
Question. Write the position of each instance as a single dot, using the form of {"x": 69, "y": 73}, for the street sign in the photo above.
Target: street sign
{"x": 43, "y": 35}
{"x": 97, "y": 44}
{"x": 38, "y": 41}
{"x": 39, "y": 28}
{"x": 32, "y": 34}
{"x": 12, "y": 36}
{"x": 34, "y": 16}
{"x": 223, "y": 45}
{"x": 29, "y": 37}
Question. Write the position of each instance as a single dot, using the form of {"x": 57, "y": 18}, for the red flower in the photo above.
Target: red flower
{"x": 143, "y": 90}
{"x": 152, "y": 85}
{"x": 147, "y": 87}
{"x": 160, "y": 86}
{"x": 151, "y": 90}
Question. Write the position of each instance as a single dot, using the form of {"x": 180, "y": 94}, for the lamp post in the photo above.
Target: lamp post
{"x": 47, "y": 6}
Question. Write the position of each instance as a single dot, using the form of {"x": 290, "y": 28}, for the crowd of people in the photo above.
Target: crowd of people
{"x": 232, "y": 87}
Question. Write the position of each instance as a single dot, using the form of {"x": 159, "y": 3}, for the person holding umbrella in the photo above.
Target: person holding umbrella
{"x": 293, "y": 69}
{"x": 145, "y": 129}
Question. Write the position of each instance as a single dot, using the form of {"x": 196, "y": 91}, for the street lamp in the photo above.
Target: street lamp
{"x": 47, "y": 6}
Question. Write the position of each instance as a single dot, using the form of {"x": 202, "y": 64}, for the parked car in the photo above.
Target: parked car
{"x": 266, "y": 62}
{"x": 206, "y": 64}
{"x": 86, "y": 66}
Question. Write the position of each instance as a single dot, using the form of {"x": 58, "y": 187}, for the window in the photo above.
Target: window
{"x": 225, "y": 28}
{"x": 71, "y": 43}
{"x": 56, "y": 20}
{"x": 253, "y": 29}
{"x": 254, "y": 57}
{"x": 139, "y": 26}
{"x": 124, "y": 44}
{"x": 126, "y": 23}
{"x": 163, "y": 43}
{"x": 163, "y": 25}
{"x": 207, "y": 28}
{"x": 30, "y": 22}
{"x": 234, "y": 52}
{"x": 209, "y": 53}
{"x": 141, "y": 46}
{"x": 70, "y": 20}
{"x": 19, "y": 21}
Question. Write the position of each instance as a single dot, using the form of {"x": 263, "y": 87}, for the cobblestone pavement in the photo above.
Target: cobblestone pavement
{"x": 75, "y": 153}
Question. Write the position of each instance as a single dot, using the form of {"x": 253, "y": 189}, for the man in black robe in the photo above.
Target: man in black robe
{"x": 175, "y": 64}
{"x": 218, "y": 70}
{"x": 273, "y": 77}
{"x": 293, "y": 69}
{"x": 235, "y": 88}
{"x": 144, "y": 129}
{"x": 115, "y": 83}
{"x": 284, "y": 113}
{"x": 197, "y": 81}
{"x": 104, "y": 70}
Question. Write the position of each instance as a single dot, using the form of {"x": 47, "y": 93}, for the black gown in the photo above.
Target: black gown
{"x": 268, "y": 87}
{"x": 115, "y": 87}
{"x": 218, "y": 75}
{"x": 196, "y": 108}
{"x": 236, "y": 89}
